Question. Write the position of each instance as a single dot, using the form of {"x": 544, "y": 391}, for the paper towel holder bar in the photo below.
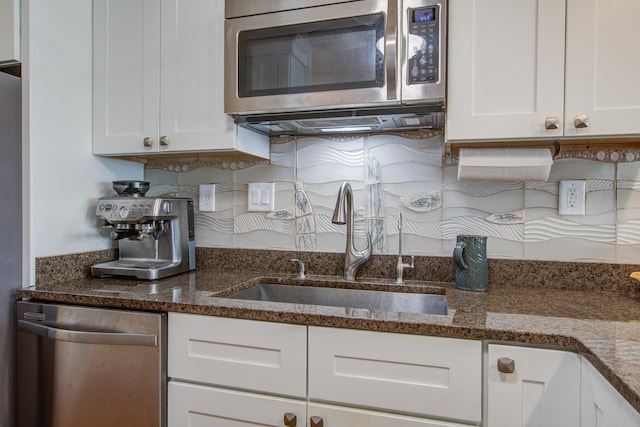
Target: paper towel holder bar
{"x": 452, "y": 149}
{"x": 557, "y": 146}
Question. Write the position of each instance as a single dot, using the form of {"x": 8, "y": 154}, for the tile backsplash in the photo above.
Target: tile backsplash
{"x": 410, "y": 174}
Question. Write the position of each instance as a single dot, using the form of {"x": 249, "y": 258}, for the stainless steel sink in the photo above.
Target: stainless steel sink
{"x": 349, "y": 298}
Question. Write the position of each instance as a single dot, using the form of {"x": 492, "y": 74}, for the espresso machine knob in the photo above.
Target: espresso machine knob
{"x": 166, "y": 207}
{"x": 124, "y": 212}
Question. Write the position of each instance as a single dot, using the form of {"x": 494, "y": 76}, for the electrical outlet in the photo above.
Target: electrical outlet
{"x": 207, "y": 198}
{"x": 261, "y": 196}
{"x": 572, "y": 199}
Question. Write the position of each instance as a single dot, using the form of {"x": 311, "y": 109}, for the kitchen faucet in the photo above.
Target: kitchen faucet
{"x": 344, "y": 215}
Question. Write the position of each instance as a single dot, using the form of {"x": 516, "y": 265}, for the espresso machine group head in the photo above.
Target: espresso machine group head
{"x": 155, "y": 235}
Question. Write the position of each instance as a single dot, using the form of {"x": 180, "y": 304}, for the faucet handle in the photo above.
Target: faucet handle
{"x": 300, "y": 268}
{"x": 400, "y": 267}
{"x": 409, "y": 265}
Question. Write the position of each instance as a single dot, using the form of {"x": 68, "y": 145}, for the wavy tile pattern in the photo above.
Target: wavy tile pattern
{"x": 409, "y": 173}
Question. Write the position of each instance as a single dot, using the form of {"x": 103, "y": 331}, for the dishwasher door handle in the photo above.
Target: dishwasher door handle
{"x": 84, "y": 337}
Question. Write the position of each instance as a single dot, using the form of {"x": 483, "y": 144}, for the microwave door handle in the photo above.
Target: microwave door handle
{"x": 390, "y": 49}
{"x": 85, "y": 337}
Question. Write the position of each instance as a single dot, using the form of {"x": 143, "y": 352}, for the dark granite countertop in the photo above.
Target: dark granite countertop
{"x": 603, "y": 326}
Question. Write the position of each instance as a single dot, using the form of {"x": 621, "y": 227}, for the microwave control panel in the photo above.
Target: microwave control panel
{"x": 424, "y": 45}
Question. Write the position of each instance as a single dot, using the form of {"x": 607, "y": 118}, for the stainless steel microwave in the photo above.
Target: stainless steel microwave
{"x": 308, "y": 66}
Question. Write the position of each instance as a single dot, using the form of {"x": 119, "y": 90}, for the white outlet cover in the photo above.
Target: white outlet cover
{"x": 207, "y": 198}
{"x": 572, "y": 199}
{"x": 261, "y": 196}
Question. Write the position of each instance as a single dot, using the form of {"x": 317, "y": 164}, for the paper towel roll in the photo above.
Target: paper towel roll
{"x": 504, "y": 164}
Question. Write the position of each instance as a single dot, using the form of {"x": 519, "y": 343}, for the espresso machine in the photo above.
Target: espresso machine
{"x": 155, "y": 235}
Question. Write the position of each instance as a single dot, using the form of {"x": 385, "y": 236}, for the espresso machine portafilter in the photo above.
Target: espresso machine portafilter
{"x": 155, "y": 235}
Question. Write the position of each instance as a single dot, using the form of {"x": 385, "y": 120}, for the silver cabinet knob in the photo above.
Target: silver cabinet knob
{"x": 506, "y": 365}
{"x": 290, "y": 420}
{"x": 581, "y": 121}
{"x": 317, "y": 422}
{"x": 148, "y": 142}
{"x": 164, "y": 141}
{"x": 551, "y": 123}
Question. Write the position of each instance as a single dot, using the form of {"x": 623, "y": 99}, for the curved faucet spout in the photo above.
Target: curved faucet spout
{"x": 343, "y": 214}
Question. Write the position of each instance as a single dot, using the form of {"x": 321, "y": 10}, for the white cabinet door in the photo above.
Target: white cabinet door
{"x": 9, "y": 31}
{"x": 505, "y": 68}
{"x": 192, "y": 80}
{"x": 191, "y": 111}
{"x": 542, "y": 391}
{"x": 200, "y": 406}
{"x": 126, "y": 76}
{"x": 192, "y": 114}
{"x": 237, "y": 353}
{"x": 602, "y": 405}
{"x": 337, "y": 416}
{"x": 629, "y": 417}
{"x": 429, "y": 376}
{"x": 603, "y": 59}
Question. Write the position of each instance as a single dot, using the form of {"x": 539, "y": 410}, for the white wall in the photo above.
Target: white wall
{"x": 62, "y": 177}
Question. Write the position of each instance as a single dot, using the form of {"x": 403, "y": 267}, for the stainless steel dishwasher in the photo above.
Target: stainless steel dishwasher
{"x": 81, "y": 366}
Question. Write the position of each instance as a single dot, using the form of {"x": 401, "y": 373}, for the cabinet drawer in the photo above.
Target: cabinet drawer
{"x": 195, "y": 405}
{"x": 244, "y": 354}
{"x": 440, "y": 377}
{"x": 337, "y": 416}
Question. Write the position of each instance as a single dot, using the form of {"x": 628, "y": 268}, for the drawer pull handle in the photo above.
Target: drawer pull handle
{"x": 317, "y": 422}
{"x": 506, "y": 365}
{"x": 290, "y": 420}
{"x": 148, "y": 142}
{"x": 164, "y": 141}
{"x": 581, "y": 121}
{"x": 551, "y": 123}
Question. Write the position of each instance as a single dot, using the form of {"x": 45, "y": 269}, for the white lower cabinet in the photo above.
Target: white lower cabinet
{"x": 236, "y": 372}
{"x": 543, "y": 389}
{"x": 413, "y": 374}
{"x": 602, "y": 405}
{"x": 237, "y": 353}
{"x": 339, "y": 416}
{"x": 203, "y": 406}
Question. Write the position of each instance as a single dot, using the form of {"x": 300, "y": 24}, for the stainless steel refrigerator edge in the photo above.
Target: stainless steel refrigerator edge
{"x": 10, "y": 230}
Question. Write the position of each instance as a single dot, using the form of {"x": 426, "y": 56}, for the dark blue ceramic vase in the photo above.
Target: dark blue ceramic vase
{"x": 470, "y": 256}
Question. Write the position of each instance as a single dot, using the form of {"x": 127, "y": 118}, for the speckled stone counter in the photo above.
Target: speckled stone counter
{"x": 602, "y": 325}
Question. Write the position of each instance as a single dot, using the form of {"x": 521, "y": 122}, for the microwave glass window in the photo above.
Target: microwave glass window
{"x": 424, "y": 15}
{"x": 330, "y": 55}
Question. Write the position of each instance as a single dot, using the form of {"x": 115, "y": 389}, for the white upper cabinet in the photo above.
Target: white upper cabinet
{"x": 505, "y": 68}
{"x": 512, "y": 74}
{"x": 126, "y": 76}
{"x": 9, "y": 31}
{"x": 603, "y": 67}
{"x": 159, "y": 79}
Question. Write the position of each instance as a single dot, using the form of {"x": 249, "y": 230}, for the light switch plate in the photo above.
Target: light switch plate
{"x": 261, "y": 196}
{"x": 573, "y": 197}
{"x": 207, "y": 198}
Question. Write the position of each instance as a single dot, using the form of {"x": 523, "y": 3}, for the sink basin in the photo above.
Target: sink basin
{"x": 349, "y": 298}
